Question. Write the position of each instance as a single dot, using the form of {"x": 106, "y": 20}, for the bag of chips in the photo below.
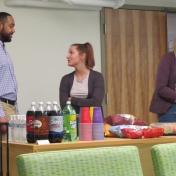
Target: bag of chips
{"x": 118, "y": 129}
{"x": 132, "y": 133}
{"x": 124, "y": 119}
{"x": 152, "y": 132}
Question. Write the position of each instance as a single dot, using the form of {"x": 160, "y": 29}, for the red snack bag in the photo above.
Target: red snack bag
{"x": 140, "y": 122}
{"x": 119, "y": 119}
{"x": 152, "y": 132}
{"x": 108, "y": 119}
{"x": 124, "y": 119}
{"x": 132, "y": 133}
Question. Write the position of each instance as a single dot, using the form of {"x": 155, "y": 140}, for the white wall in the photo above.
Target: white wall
{"x": 171, "y": 30}
{"x": 40, "y": 45}
{"x": 152, "y": 3}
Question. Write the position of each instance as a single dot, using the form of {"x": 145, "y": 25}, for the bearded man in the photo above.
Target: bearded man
{"x": 8, "y": 83}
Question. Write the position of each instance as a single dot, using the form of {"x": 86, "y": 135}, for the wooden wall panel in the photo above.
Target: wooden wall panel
{"x": 135, "y": 41}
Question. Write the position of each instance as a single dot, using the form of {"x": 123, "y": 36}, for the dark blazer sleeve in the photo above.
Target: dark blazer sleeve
{"x": 96, "y": 91}
{"x": 164, "y": 72}
{"x": 63, "y": 92}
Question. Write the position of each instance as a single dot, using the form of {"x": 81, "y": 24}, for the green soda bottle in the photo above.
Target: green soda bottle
{"x": 70, "y": 128}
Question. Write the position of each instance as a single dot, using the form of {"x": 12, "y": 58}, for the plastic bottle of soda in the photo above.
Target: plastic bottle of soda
{"x": 30, "y": 116}
{"x": 48, "y": 107}
{"x": 70, "y": 128}
{"x": 41, "y": 125}
{"x": 55, "y": 124}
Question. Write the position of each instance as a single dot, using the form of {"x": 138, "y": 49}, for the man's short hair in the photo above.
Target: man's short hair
{"x": 3, "y": 16}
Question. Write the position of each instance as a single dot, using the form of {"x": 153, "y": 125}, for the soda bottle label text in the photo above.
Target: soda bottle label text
{"x": 56, "y": 124}
{"x": 70, "y": 123}
{"x": 30, "y": 124}
{"x": 41, "y": 125}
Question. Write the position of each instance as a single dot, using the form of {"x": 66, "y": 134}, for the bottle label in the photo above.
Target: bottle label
{"x": 70, "y": 127}
{"x": 41, "y": 125}
{"x": 38, "y": 124}
{"x": 56, "y": 124}
{"x": 30, "y": 123}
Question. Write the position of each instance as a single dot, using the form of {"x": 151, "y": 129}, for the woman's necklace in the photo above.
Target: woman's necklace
{"x": 81, "y": 81}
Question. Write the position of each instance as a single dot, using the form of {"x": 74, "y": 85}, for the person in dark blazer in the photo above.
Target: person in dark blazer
{"x": 84, "y": 86}
{"x": 163, "y": 101}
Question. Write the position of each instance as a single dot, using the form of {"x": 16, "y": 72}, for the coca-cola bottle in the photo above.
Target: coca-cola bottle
{"x": 30, "y": 115}
{"x": 41, "y": 125}
{"x": 55, "y": 124}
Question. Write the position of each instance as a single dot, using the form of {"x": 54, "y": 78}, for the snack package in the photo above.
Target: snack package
{"x": 144, "y": 132}
{"x": 124, "y": 119}
{"x": 152, "y": 132}
{"x": 107, "y": 133}
{"x": 132, "y": 133}
{"x": 169, "y": 128}
{"x": 118, "y": 129}
{"x": 135, "y": 131}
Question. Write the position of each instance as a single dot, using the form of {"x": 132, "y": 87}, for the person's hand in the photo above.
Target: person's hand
{"x": 3, "y": 127}
{"x": 69, "y": 99}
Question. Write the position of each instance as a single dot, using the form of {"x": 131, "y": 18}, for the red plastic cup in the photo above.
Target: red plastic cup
{"x": 85, "y": 131}
{"x": 85, "y": 115}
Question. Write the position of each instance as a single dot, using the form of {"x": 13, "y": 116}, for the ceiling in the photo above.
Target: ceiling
{"x": 95, "y": 4}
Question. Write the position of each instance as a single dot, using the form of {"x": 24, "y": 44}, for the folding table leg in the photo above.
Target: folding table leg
{"x": 1, "y": 172}
{"x": 7, "y": 149}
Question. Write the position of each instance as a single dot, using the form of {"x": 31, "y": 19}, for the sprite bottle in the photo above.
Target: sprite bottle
{"x": 70, "y": 128}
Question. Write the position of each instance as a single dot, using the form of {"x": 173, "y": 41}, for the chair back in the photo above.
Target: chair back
{"x": 103, "y": 161}
{"x": 164, "y": 159}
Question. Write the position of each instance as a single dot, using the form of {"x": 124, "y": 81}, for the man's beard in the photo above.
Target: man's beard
{"x": 5, "y": 37}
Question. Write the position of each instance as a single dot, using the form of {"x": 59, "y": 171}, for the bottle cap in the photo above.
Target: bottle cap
{"x": 55, "y": 102}
{"x": 40, "y": 103}
{"x": 68, "y": 102}
{"x": 32, "y": 103}
{"x": 48, "y": 102}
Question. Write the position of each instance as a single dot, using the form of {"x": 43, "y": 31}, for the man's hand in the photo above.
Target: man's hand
{"x": 3, "y": 127}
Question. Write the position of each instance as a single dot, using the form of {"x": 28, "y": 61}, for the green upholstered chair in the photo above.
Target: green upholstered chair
{"x": 164, "y": 159}
{"x": 104, "y": 161}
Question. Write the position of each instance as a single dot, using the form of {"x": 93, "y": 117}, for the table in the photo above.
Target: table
{"x": 143, "y": 146}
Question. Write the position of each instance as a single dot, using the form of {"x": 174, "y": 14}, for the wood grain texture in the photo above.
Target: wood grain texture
{"x": 135, "y": 41}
